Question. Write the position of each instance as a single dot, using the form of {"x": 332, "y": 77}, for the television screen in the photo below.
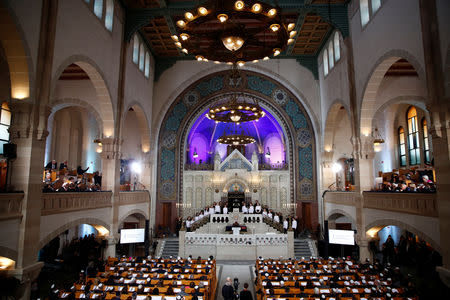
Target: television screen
{"x": 341, "y": 237}
{"x": 128, "y": 236}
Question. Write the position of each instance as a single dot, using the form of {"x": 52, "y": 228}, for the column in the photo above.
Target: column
{"x": 110, "y": 250}
{"x": 439, "y": 128}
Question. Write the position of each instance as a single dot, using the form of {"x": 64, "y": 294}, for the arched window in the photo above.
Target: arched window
{"x": 325, "y": 62}
{"x": 375, "y": 5}
{"x": 337, "y": 48}
{"x": 401, "y": 146}
{"x": 413, "y": 137}
{"x": 98, "y": 8}
{"x": 141, "y": 57}
{"x": 109, "y": 16}
{"x": 364, "y": 9}
{"x": 136, "y": 49}
{"x": 331, "y": 54}
{"x": 5, "y": 121}
{"x": 426, "y": 142}
{"x": 147, "y": 65}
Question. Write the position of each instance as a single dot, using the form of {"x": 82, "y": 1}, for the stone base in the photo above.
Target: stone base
{"x": 25, "y": 276}
{"x": 444, "y": 274}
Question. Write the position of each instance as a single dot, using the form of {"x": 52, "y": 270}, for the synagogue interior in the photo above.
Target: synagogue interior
{"x": 225, "y": 149}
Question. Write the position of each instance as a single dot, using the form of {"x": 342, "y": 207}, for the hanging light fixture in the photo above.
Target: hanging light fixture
{"x": 195, "y": 154}
{"x": 378, "y": 141}
{"x": 227, "y": 22}
{"x": 239, "y": 107}
{"x": 268, "y": 153}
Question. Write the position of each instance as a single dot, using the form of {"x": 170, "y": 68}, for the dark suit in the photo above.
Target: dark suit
{"x": 227, "y": 292}
{"x": 51, "y": 166}
{"x": 246, "y": 295}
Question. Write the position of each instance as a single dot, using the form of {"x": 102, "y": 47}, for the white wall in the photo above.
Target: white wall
{"x": 395, "y": 29}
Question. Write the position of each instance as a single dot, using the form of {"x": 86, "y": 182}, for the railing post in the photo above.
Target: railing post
{"x": 181, "y": 239}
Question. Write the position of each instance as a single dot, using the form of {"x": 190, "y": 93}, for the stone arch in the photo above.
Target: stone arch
{"x": 242, "y": 181}
{"x": 338, "y": 211}
{"x": 59, "y": 104}
{"x": 61, "y": 229}
{"x": 105, "y": 105}
{"x": 410, "y": 228}
{"x": 143, "y": 125}
{"x": 17, "y": 55}
{"x": 333, "y": 111}
{"x": 8, "y": 252}
{"x": 131, "y": 212}
{"x": 373, "y": 82}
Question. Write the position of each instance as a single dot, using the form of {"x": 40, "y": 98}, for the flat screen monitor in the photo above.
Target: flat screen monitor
{"x": 341, "y": 237}
{"x": 128, "y": 236}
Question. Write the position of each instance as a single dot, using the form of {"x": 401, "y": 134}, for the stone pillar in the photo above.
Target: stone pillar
{"x": 364, "y": 252}
{"x": 146, "y": 173}
{"x": 290, "y": 235}
{"x": 181, "y": 238}
{"x": 110, "y": 250}
{"x": 440, "y": 124}
{"x": 110, "y": 163}
{"x": 328, "y": 177}
{"x": 366, "y": 172}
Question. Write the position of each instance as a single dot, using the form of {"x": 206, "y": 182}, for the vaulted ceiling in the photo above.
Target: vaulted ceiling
{"x": 314, "y": 21}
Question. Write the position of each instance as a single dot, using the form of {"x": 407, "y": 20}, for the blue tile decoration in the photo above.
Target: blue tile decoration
{"x": 259, "y": 84}
{"x": 208, "y": 87}
{"x": 275, "y": 93}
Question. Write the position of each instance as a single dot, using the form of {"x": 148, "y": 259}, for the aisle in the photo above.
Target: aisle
{"x": 240, "y": 269}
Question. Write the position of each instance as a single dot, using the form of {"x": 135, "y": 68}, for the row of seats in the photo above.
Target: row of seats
{"x": 331, "y": 279}
{"x": 156, "y": 279}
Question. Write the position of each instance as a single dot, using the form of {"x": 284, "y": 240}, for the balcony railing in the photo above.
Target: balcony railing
{"x": 423, "y": 204}
{"x": 10, "y": 205}
{"x": 199, "y": 167}
{"x": 55, "y": 203}
{"x": 134, "y": 197}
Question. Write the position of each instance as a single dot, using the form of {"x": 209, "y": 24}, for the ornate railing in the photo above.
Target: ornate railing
{"x": 134, "y": 197}
{"x": 344, "y": 198}
{"x": 423, "y": 204}
{"x": 55, "y": 203}
{"x": 195, "y": 239}
{"x": 199, "y": 167}
{"x": 10, "y": 205}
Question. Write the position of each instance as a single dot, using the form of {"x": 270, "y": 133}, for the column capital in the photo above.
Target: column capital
{"x": 21, "y": 122}
{"x": 111, "y": 148}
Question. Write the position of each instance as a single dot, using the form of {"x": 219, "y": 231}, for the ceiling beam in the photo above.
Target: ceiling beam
{"x": 298, "y": 25}
{"x": 168, "y": 18}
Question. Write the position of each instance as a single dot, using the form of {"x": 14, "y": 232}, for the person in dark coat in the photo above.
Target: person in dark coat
{"x": 245, "y": 294}
{"x": 227, "y": 290}
{"x": 53, "y": 165}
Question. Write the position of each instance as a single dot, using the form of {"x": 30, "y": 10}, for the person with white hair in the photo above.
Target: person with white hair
{"x": 227, "y": 290}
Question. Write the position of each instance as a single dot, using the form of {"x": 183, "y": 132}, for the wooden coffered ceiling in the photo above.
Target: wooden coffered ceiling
{"x": 314, "y": 19}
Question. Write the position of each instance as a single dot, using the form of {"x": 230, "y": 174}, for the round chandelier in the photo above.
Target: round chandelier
{"x": 239, "y": 108}
{"x": 234, "y": 32}
{"x": 236, "y": 139}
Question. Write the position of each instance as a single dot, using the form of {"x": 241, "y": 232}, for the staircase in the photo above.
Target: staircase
{"x": 170, "y": 247}
{"x": 302, "y": 248}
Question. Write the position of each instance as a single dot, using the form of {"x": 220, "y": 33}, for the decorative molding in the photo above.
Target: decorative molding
{"x": 343, "y": 198}
{"x": 423, "y": 204}
{"x": 126, "y": 198}
{"x": 11, "y": 205}
{"x": 57, "y": 203}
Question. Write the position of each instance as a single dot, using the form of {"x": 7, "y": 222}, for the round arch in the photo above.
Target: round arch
{"x": 419, "y": 233}
{"x": 59, "y": 104}
{"x": 131, "y": 212}
{"x": 340, "y": 212}
{"x": 373, "y": 82}
{"x": 8, "y": 252}
{"x": 143, "y": 125}
{"x": 17, "y": 55}
{"x": 58, "y": 231}
{"x": 332, "y": 114}
{"x": 105, "y": 105}
{"x": 229, "y": 182}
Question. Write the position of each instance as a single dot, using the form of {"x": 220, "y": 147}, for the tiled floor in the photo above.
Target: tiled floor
{"x": 235, "y": 269}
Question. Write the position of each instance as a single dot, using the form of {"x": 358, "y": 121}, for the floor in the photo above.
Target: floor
{"x": 243, "y": 270}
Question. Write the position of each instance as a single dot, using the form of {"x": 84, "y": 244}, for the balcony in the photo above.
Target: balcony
{"x": 10, "y": 205}
{"x": 423, "y": 204}
{"x": 56, "y": 203}
{"x": 126, "y": 198}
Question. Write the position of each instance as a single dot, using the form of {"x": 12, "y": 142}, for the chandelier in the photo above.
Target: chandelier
{"x": 377, "y": 141}
{"x": 239, "y": 108}
{"x": 236, "y": 139}
{"x": 233, "y": 32}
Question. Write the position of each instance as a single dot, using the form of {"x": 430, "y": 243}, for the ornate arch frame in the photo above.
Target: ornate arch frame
{"x": 287, "y": 107}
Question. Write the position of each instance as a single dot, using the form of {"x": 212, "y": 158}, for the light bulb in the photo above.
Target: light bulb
{"x": 272, "y": 12}
{"x": 181, "y": 23}
{"x": 184, "y": 50}
{"x": 239, "y": 5}
{"x": 184, "y": 36}
{"x": 275, "y": 27}
{"x": 276, "y": 51}
{"x": 222, "y": 18}
{"x": 292, "y": 33}
{"x": 175, "y": 38}
{"x": 291, "y": 26}
{"x": 189, "y": 16}
{"x": 290, "y": 41}
{"x": 178, "y": 44}
{"x": 256, "y": 8}
{"x": 203, "y": 11}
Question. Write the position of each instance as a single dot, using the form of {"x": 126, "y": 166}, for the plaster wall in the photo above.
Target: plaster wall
{"x": 443, "y": 11}
{"x": 27, "y": 15}
{"x": 9, "y": 235}
{"x": 395, "y": 29}
{"x": 88, "y": 40}
{"x": 131, "y": 147}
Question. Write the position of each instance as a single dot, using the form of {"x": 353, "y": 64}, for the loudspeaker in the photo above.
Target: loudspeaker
{"x": 10, "y": 150}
